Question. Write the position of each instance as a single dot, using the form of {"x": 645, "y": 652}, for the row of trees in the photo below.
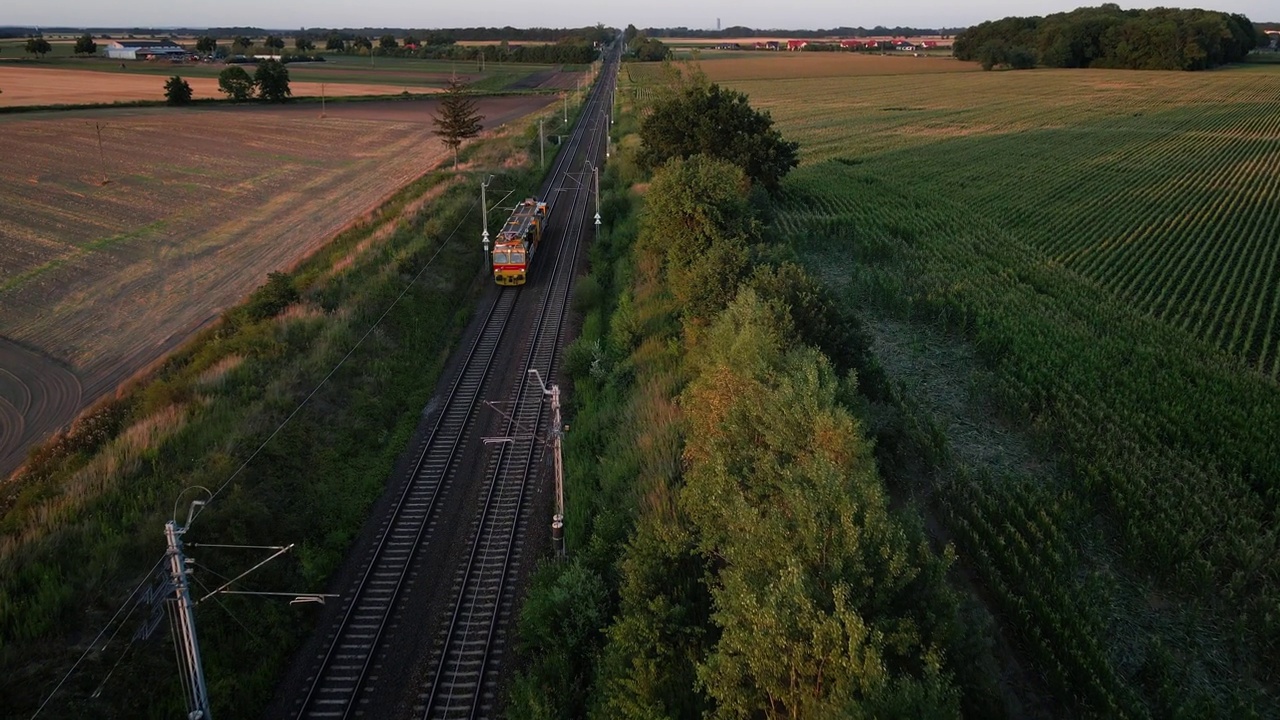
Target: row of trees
{"x": 1106, "y": 36}
{"x": 270, "y": 81}
{"x": 767, "y": 575}
{"x": 644, "y": 48}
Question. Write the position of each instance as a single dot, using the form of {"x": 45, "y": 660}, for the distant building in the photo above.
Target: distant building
{"x": 144, "y": 49}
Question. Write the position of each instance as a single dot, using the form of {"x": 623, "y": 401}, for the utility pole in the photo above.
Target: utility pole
{"x": 184, "y": 624}
{"x": 182, "y": 610}
{"x": 102, "y": 157}
{"x": 542, "y": 146}
{"x": 596, "y": 172}
{"x": 595, "y": 179}
{"x": 484, "y": 214}
{"x": 557, "y": 433}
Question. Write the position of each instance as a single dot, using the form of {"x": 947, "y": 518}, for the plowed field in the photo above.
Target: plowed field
{"x": 103, "y": 278}
{"x": 52, "y": 86}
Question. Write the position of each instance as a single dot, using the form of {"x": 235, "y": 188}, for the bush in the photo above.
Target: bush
{"x": 275, "y": 295}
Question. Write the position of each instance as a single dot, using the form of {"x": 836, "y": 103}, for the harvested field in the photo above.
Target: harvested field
{"x": 811, "y": 65}
{"x": 200, "y": 205}
{"x": 56, "y": 86}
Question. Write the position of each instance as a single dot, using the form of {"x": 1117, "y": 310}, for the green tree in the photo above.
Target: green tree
{"x": 235, "y": 83}
{"x": 38, "y": 46}
{"x": 335, "y": 42}
{"x": 303, "y": 43}
{"x": 698, "y": 220}
{"x": 273, "y": 43}
{"x": 648, "y": 49}
{"x": 241, "y": 44}
{"x": 272, "y": 81}
{"x": 85, "y": 45}
{"x": 822, "y": 597}
{"x": 177, "y": 91}
{"x": 721, "y": 123}
{"x": 388, "y": 42}
{"x": 457, "y": 118}
{"x": 206, "y": 45}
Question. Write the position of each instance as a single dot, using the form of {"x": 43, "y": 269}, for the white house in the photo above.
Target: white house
{"x": 144, "y": 49}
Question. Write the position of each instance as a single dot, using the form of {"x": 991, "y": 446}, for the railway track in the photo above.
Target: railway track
{"x": 461, "y": 679}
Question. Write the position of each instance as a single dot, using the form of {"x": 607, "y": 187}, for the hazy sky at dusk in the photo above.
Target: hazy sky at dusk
{"x": 793, "y": 14}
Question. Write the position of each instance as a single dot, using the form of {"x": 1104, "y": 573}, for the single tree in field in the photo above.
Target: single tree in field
{"x": 38, "y": 46}
{"x": 273, "y": 43}
{"x": 272, "y": 79}
{"x": 85, "y": 45}
{"x": 303, "y": 43}
{"x": 335, "y": 42}
{"x": 363, "y": 42}
{"x": 241, "y": 44}
{"x": 235, "y": 83}
{"x": 457, "y": 119}
{"x": 206, "y": 45}
{"x": 177, "y": 91}
{"x": 388, "y": 42}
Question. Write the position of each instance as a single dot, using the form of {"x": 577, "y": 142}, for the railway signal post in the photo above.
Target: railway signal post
{"x": 557, "y": 433}
{"x": 484, "y": 223}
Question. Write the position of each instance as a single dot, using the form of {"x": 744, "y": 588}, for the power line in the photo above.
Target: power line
{"x": 245, "y": 464}
{"x": 145, "y": 579}
{"x": 344, "y": 359}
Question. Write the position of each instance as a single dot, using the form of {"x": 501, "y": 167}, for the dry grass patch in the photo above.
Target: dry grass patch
{"x": 120, "y": 458}
{"x": 217, "y": 372}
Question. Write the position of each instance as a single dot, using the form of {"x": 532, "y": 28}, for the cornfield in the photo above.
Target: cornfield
{"x": 1107, "y": 241}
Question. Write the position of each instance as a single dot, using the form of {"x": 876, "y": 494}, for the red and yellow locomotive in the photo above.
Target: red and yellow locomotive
{"x": 517, "y": 241}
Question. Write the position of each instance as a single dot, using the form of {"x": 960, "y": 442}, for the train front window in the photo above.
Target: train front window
{"x": 517, "y": 258}
{"x": 499, "y": 258}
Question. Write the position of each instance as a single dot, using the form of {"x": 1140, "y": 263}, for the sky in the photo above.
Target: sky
{"x": 792, "y": 14}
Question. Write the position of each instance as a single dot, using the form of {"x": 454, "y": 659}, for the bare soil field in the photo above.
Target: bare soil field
{"x": 100, "y": 279}
{"x": 24, "y": 85}
{"x": 810, "y": 65}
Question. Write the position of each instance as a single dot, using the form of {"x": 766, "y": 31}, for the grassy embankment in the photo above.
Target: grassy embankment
{"x": 82, "y": 527}
{"x": 1070, "y": 279}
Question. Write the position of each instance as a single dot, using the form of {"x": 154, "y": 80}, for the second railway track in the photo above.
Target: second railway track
{"x": 461, "y": 681}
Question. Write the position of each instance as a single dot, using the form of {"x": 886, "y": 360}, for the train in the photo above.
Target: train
{"x": 517, "y": 241}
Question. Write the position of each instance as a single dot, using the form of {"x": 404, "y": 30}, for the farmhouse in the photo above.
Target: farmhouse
{"x": 144, "y": 49}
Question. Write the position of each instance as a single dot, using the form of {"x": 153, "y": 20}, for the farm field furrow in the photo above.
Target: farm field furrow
{"x": 199, "y": 205}
{"x": 1107, "y": 243}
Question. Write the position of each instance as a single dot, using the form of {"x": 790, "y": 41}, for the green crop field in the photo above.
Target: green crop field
{"x": 1073, "y": 279}
{"x": 1162, "y": 189}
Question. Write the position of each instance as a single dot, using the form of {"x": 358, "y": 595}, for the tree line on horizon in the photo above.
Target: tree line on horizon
{"x": 740, "y": 31}
{"x": 437, "y": 36}
{"x": 1109, "y": 37}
